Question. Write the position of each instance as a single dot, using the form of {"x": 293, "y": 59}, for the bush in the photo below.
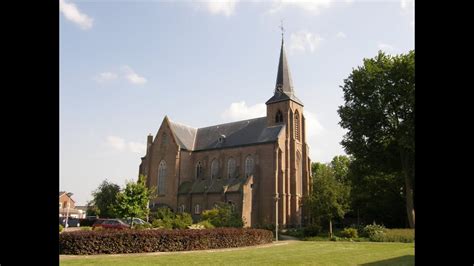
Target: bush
{"x": 372, "y": 229}
{"x": 223, "y": 216}
{"x": 312, "y": 230}
{"x": 182, "y": 221}
{"x": 61, "y": 228}
{"x": 166, "y": 223}
{"x": 394, "y": 235}
{"x": 115, "y": 241}
{"x": 206, "y": 224}
{"x": 142, "y": 226}
{"x": 349, "y": 233}
{"x": 295, "y": 232}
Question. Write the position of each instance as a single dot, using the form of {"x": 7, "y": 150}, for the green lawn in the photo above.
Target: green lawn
{"x": 292, "y": 253}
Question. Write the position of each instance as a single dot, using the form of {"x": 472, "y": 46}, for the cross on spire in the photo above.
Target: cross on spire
{"x": 282, "y": 29}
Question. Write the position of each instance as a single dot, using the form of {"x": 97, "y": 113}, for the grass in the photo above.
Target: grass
{"x": 285, "y": 253}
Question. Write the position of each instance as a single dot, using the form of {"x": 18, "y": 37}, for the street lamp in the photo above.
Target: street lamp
{"x": 276, "y": 198}
{"x": 67, "y": 211}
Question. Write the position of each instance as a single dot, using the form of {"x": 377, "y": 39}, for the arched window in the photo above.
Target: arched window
{"x": 297, "y": 125}
{"x": 197, "y": 209}
{"x": 198, "y": 170}
{"x": 161, "y": 177}
{"x": 248, "y": 166}
{"x": 164, "y": 139}
{"x": 279, "y": 117}
{"x": 214, "y": 168}
{"x": 231, "y": 168}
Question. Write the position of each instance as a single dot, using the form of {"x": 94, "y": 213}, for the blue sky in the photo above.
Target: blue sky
{"x": 124, "y": 65}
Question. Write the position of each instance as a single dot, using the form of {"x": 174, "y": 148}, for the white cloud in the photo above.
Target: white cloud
{"x": 313, "y": 6}
{"x": 386, "y": 47}
{"x": 119, "y": 144}
{"x": 72, "y": 13}
{"x": 116, "y": 143}
{"x": 220, "y": 7}
{"x": 341, "y": 35}
{"x": 216, "y": 7}
{"x": 303, "y": 41}
{"x": 106, "y": 77}
{"x": 313, "y": 126}
{"x": 133, "y": 77}
{"x": 137, "y": 147}
{"x": 412, "y": 25}
{"x": 240, "y": 111}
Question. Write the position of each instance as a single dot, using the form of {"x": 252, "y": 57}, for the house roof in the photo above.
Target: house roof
{"x": 240, "y": 133}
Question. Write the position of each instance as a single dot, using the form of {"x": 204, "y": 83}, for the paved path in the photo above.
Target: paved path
{"x": 286, "y": 237}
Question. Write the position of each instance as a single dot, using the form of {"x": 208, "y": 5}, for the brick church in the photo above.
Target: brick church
{"x": 260, "y": 166}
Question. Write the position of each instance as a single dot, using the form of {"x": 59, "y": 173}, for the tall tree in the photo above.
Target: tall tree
{"x": 105, "y": 198}
{"x": 133, "y": 201}
{"x": 329, "y": 198}
{"x": 379, "y": 113}
{"x": 340, "y": 165}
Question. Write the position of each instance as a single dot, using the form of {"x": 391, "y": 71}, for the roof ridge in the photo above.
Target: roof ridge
{"x": 234, "y": 122}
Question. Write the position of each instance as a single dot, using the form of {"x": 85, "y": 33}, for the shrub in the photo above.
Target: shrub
{"x": 377, "y": 236}
{"x": 206, "y": 224}
{"x": 61, "y": 228}
{"x": 182, "y": 221}
{"x": 223, "y": 216}
{"x": 349, "y": 233}
{"x": 138, "y": 241}
{"x": 395, "y": 235}
{"x": 166, "y": 223}
{"x": 312, "y": 230}
{"x": 142, "y": 226}
{"x": 296, "y": 232}
{"x": 372, "y": 229}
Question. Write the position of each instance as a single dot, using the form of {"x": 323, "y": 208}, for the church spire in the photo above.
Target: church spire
{"x": 284, "y": 83}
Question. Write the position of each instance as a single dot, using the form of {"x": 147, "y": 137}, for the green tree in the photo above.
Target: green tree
{"x": 92, "y": 210}
{"x": 340, "y": 165}
{"x": 133, "y": 201}
{"x": 105, "y": 199}
{"x": 379, "y": 114}
{"x": 329, "y": 198}
{"x": 377, "y": 197}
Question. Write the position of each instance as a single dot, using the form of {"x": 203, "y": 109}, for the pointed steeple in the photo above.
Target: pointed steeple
{"x": 283, "y": 80}
{"x": 284, "y": 83}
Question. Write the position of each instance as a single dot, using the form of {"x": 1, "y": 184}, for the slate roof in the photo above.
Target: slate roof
{"x": 284, "y": 83}
{"x": 240, "y": 133}
{"x": 212, "y": 186}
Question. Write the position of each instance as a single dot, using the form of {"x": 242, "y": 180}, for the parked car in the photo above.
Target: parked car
{"x": 71, "y": 221}
{"x": 135, "y": 221}
{"x": 110, "y": 224}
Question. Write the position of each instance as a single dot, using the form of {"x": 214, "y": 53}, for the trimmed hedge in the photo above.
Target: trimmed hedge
{"x": 158, "y": 240}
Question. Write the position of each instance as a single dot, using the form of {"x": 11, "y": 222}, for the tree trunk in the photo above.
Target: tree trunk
{"x": 408, "y": 174}
{"x": 330, "y": 228}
